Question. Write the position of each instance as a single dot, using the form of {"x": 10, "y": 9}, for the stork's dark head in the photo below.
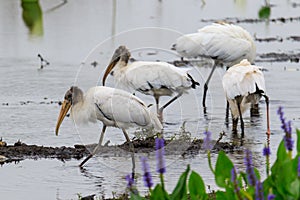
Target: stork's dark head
{"x": 72, "y": 97}
{"x": 120, "y": 54}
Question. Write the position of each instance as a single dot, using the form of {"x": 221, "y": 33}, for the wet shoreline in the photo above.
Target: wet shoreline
{"x": 21, "y": 151}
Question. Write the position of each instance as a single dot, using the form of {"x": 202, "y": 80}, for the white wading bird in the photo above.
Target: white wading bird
{"x": 244, "y": 84}
{"x": 150, "y": 78}
{"x": 112, "y": 106}
{"x": 226, "y": 44}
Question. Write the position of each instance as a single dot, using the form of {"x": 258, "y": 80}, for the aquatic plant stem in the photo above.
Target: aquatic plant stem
{"x": 209, "y": 162}
{"x": 268, "y": 165}
{"x": 161, "y": 176}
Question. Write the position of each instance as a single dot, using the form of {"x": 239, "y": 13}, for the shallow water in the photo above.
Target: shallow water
{"x": 70, "y": 32}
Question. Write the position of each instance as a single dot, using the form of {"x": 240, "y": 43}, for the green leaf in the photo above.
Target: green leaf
{"x": 158, "y": 193}
{"x": 228, "y": 195}
{"x": 294, "y": 180}
{"x": 284, "y": 176}
{"x": 295, "y": 189}
{"x": 298, "y": 141}
{"x": 196, "y": 187}
{"x": 268, "y": 184}
{"x": 264, "y": 12}
{"x": 223, "y": 169}
{"x": 282, "y": 156}
{"x": 256, "y": 172}
{"x": 281, "y": 152}
{"x": 135, "y": 197}
{"x": 180, "y": 191}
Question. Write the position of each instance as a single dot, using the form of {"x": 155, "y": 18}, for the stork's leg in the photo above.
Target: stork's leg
{"x": 131, "y": 147}
{"x": 206, "y": 85}
{"x": 268, "y": 116}
{"x": 159, "y": 114}
{"x": 227, "y": 114}
{"x": 156, "y": 97}
{"x": 168, "y": 103}
{"x": 234, "y": 125}
{"x": 96, "y": 148}
{"x": 241, "y": 118}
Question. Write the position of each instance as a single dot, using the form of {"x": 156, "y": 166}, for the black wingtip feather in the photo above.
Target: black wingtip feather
{"x": 194, "y": 83}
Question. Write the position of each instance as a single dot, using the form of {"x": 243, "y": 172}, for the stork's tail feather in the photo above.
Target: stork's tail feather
{"x": 257, "y": 90}
{"x": 194, "y": 83}
{"x": 155, "y": 122}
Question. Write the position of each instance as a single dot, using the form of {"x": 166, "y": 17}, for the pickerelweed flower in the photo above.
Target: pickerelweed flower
{"x": 235, "y": 183}
{"x": 286, "y": 127}
{"x": 130, "y": 181}
{"x": 266, "y": 151}
{"x": 160, "y": 155}
{"x": 249, "y": 168}
{"x": 271, "y": 196}
{"x": 207, "y": 145}
{"x": 147, "y": 175}
{"x": 259, "y": 193}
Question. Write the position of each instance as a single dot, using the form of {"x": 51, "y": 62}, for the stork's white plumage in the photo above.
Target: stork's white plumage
{"x": 113, "y": 107}
{"x": 226, "y": 44}
{"x": 150, "y": 78}
{"x": 244, "y": 84}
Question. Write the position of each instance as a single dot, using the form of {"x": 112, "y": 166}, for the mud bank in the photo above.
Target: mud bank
{"x": 20, "y": 151}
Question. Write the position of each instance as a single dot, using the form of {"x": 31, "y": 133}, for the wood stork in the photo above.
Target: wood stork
{"x": 244, "y": 84}
{"x": 113, "y": 107}
{"x": 150, "y": 78}
{"x": 226, "y": 44}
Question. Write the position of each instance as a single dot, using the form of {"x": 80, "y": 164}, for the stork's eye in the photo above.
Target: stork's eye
{"x": 68, "y": 97}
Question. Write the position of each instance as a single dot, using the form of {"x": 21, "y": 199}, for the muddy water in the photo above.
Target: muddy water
{"x": 28, "y": 101}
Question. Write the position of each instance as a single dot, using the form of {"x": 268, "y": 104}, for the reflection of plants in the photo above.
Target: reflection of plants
{"x": 32, "y": 16}
{"x": 282, "y": 182}
{"x": 265, "y": 11}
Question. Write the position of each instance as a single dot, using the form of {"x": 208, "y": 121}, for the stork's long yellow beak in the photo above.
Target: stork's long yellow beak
{"x": 108, "y": 70}
{"x": 63, "y": 112}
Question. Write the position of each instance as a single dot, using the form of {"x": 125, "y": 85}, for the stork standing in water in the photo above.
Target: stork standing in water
{"x": 113, "y": 107}
{"x": 150, "y": 78}
{"x": 244, "y": 84}
{"x": 226, "y": 44}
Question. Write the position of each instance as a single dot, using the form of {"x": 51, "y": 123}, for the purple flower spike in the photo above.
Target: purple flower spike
{"x": 233, "y": 175}
{"x": 249, "y": 168}
{"x": 271, "y": 196}
{"x": 234, "y": 181}
{"x": 288, "y": 142}
{"x": 207, "y": 141}
{"x": 266, "y": 151}
{"x": 160, "y": 154}
{"x": 287, "y": 128}
{"x": 130, "y": 181}
{"x": 147, "y": 175}
{"x": 259, "y": 193}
